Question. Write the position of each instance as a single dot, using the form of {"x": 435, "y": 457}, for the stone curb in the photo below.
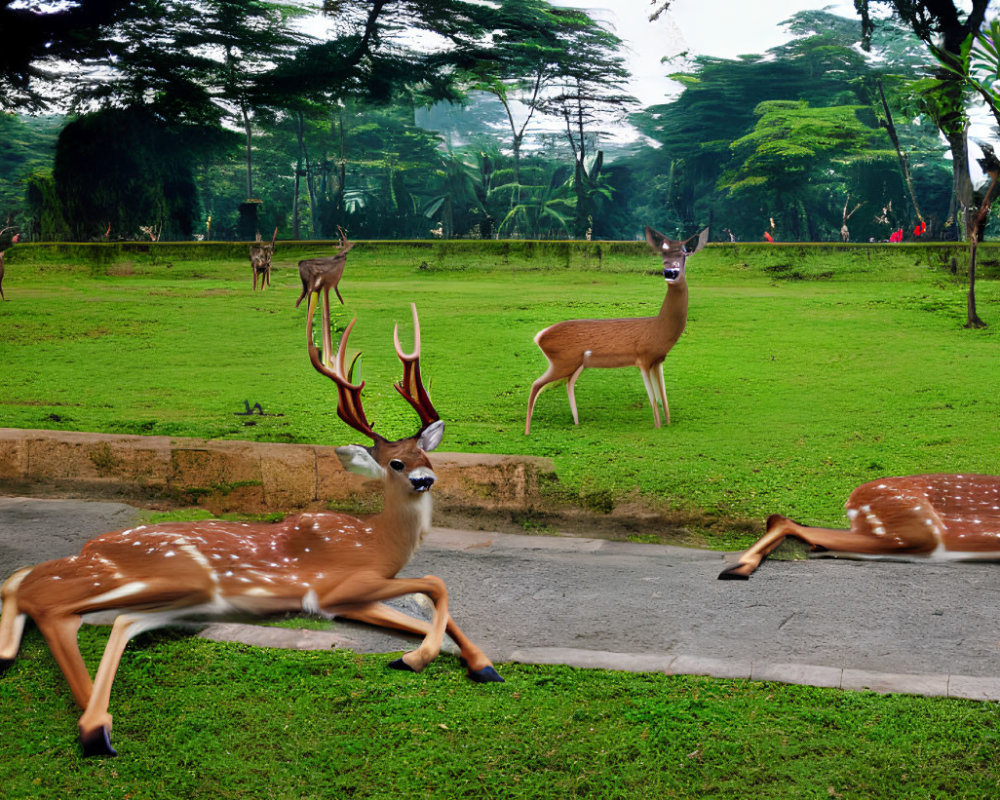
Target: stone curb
{"x": 964, "y": 687}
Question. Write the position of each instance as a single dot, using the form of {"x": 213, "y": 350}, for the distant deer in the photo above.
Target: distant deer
{"x": 331, "y": 564}
{"x": 914, "y": 518}
{"x": 260, "y": 261}
{"x": 641, "y": 342}
{"x": 13, "y": 240}
{"x": 324, "y": 273}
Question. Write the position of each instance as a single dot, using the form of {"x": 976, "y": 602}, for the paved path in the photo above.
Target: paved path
{"x": 922, "y": 628}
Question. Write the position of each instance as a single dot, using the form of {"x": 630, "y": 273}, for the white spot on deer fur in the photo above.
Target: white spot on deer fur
{"x": 852, "y": 513}
{"x": 169, "y": 554}
{"x": 310, "y": 602}
{"x": 126, "y": 590}
{"x": 879, "y": 530}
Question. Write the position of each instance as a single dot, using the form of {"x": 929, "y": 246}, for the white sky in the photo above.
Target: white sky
{"x": 725, "y": 28}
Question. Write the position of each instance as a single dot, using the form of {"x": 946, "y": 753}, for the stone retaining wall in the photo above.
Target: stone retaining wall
{"x": 250, "y": 477}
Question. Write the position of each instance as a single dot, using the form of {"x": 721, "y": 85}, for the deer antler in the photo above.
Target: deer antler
{"x": 345, "y": 246}
{"x": 349, "y": 407}
{"x": 411, "y": 387}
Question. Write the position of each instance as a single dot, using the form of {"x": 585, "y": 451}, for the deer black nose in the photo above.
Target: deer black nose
{"x": 421, "y": 484}
{"x": 671, "y": 274}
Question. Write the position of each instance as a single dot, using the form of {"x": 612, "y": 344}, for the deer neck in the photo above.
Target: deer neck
{"x": 403, "y": 522}
{"x": 673, "y": 313}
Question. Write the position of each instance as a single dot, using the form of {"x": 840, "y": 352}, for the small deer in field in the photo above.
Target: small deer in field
{"x": 260, "y": 260}
{"x": 321, "y": 563}
{"x": 13, "y": 240}
{"x": 641, "y": 342}
{"x": 324, "y": 273}
{"x": 914, "y": 518}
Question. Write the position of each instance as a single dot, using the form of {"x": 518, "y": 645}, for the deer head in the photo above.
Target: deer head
{"x": 674, "y": 253}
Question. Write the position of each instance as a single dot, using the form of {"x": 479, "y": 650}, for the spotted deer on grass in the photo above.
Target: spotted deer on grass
{"x": 330, "y": 564}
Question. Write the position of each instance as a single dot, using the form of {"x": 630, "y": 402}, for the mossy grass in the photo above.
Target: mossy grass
{"x": 197, "y": 719}
{"x": 804, "y": 370}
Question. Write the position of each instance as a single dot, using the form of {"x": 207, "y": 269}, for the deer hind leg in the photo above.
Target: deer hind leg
{"x": 12, "y": 619}
{"x": 480, "y": 668}
{"x": 570, "y": 393}
{"x": 550, "y": 375}
{"x": 363, "y": 590}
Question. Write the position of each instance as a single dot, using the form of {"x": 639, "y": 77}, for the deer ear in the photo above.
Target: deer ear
{"x": 430, "y": 437}
{"x": 358, "y": 460}
{"x": 655, "y": 239}
{"x": 702, "y": 239}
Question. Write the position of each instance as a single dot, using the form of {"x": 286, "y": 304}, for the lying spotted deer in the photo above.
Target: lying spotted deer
{"x": 642, "y": 342}
{"x": 323, "y": 563}
{"x": 260, "y": 260}
{"x": 919, "y": 517}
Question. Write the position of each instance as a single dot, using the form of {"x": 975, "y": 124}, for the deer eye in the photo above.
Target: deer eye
{"x": 397, "y": 465}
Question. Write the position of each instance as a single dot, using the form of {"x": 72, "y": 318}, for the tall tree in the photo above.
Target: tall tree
{"x": 120, "y": 170}
{"x": 588, "y": 91}
{"x": 38, "y": 35}
{"x": 948, "y": 29}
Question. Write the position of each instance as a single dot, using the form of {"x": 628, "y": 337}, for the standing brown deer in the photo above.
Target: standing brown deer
{"x": 641, "y": 342}
{"x": 260, "y": 260}
{"x": 322, "y": 563}
{"x": 919, "y": 517}
{"x": 324, "y": 273}
{"x": 13, "y": 240}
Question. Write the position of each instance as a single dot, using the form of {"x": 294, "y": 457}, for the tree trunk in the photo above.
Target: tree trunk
{"x": 249, "y": 138}
{"x": 904, "y": 165}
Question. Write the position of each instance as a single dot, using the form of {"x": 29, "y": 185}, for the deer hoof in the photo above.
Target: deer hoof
{"x": 735, "y": 573}
{"x": 401, "y": 665}
{"x": 5, "y": 664}
{"x": 485, "y": 675}
{"x": 97, "y": 743}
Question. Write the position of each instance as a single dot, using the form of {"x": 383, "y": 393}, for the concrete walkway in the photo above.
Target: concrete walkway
{"x": 931, "y": 629}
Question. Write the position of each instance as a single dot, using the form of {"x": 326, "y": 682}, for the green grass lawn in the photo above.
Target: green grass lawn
{"x": 803, "y": 372}
{"x": 195, "y": 719}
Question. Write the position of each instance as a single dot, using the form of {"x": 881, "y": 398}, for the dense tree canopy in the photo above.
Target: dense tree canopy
{"x": 424, "y": 118}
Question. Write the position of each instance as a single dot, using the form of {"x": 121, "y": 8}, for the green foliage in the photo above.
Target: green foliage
{"x": 26, "y": 145}
{"x": 119, "y": 170}
{"x": 816, "y": 85}
{"x": 199, "y": 720}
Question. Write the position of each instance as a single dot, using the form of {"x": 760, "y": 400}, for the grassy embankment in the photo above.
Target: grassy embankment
{"x": 804, "y": 371}
{"x": 785, "y": 394}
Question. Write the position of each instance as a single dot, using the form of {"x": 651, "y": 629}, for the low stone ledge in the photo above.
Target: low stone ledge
{"x": 251, "y": 477}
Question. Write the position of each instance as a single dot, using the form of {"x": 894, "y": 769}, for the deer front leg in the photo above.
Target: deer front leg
{"x": 778, "y": 527}
{"x": 366, "y": 589}
{"x": 480, "y": 668}
{"x": 647, "y": 380}
{"x": 12, "y": 619}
